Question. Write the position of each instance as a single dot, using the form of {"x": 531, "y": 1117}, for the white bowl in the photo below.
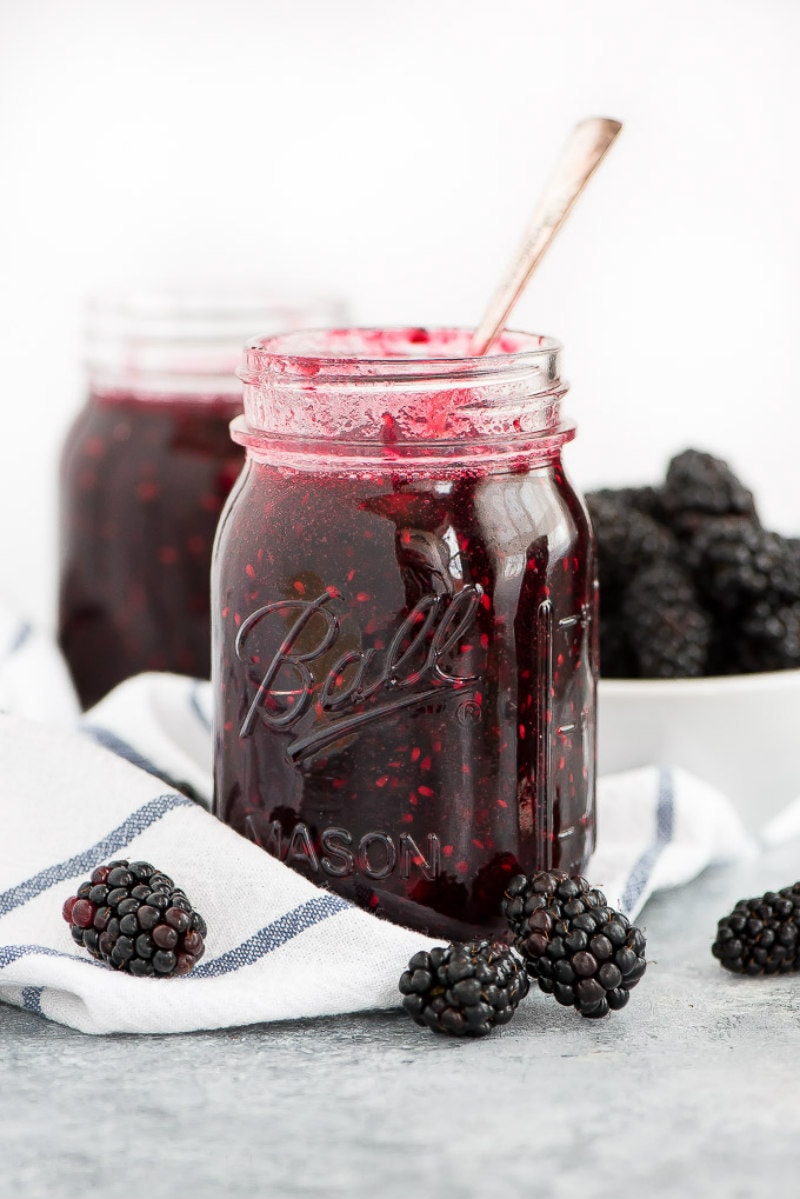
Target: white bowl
{"x": 741, "y": 734}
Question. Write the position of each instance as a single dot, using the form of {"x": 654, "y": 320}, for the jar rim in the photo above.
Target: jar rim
{"x": 175, "y": 304}
{"x": 412, "y": 395}
{"x": 328, "y": 355}
{"x": 180, "y": 338}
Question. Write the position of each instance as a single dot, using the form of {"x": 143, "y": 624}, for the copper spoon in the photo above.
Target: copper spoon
{"x": 582, "y": 154}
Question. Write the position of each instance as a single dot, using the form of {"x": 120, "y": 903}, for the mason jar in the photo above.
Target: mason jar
{"x": 404, "y": 622}
{"x": 146, "y": 469}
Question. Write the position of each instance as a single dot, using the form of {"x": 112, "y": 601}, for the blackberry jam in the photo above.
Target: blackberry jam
{"x": 403, "y": 613}
{"x": 145, "y": 472}
{"x": 143, "y": 484}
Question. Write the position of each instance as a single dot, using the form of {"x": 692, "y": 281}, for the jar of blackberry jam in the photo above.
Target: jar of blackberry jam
{"x": 403, "y": 611}
{"x": 146, "y": 469}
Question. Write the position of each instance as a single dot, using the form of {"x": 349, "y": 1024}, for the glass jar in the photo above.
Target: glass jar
{"x": 145, "y": 471}
{"x": 403, "y": 610}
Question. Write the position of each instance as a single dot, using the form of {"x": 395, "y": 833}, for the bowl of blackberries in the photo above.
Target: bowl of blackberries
{"x": 699, "y": 635}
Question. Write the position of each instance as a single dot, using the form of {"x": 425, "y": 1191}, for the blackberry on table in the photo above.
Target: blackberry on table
{"x": 133, "y": 917}
{"x": 699, "y": 485}
{"x": 464, "y": 990}
{"x": 762, "y": 935}
{"x": 581, "y": 951}
{"x": 667, "y": 630}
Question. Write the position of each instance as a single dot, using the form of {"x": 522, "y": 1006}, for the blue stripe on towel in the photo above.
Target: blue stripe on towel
{"x": 22, "y": 635}
{"x": 121, "y": 748}
{"x": 273, "y": 936}
{"x": 12, "y": 953}
{"x": 83, "y": 862}
{"x": 32, "y": 999}
{"x": 197, "y": 707}
{"x": 665, "y": 819}
{"x": 262, "y": 943}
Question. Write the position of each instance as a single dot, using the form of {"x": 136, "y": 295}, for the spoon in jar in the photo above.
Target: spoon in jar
{"x": 582, "y": 154}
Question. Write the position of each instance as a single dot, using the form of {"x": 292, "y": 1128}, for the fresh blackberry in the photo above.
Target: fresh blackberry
{"x": 646, "y": 500}
{"x": 627, "y": 540}
{"x": 698, "y": 486}
{"x": 464, "y": 990}
{"x": 581, "y": 951}
{"x": 617, "y": 660}
{"x": 736, "y": 563}
{"x": 761, "y": 936}
{"x": 769, "y": 637}
{"x": 725, "y": 649}
{"x": 666, "y": 628}
{"x": 134, "y": 918}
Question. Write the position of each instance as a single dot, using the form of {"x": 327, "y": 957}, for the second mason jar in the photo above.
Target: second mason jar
{"x": 146, "y": 469}
{"x": 403, "y": 607}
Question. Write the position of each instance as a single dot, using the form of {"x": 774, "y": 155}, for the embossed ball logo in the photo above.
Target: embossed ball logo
{"x": 423, "y": 662}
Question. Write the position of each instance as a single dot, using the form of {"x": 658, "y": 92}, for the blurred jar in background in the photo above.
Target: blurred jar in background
{"x": 146, "y": 469}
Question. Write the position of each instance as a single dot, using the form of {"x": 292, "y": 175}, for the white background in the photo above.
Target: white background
{"x": 392, "y": 152}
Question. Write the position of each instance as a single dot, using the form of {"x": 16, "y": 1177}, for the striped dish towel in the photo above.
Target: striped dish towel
{"x": 278, "y": 947}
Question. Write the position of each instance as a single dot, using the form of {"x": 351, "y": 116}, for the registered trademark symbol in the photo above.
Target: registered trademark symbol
{"x": 469, "y": 712}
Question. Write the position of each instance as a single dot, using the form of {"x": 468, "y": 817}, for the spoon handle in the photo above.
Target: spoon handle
{"x": 582, "y": 154}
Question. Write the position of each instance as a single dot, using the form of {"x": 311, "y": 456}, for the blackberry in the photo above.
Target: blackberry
{"x": 627, "y": 540}
{"x": 581, "y": 951}
{"x": 725, "y": 650}
{"x": 698, "y": 486}
{"x": 464, "y": 990}
{"x": 132, "y": 917}
{"x": 737, "y": 563}
{"x": 770, "y": 637}
{"x": 761, "y": 936}
{"x": 667, "y": 630}
{"x": 646, "y": 500}
{"x": 617, "y": 660}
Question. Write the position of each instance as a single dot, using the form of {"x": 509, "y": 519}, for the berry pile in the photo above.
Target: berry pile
{"x": 134, "y": 918}
{"x": 582, "y": 952}
{"x": 564, "y": 934}
{"x": 690, "y": 582}
{"x": 464, "y": 990}
{"x": 761, "y": 936}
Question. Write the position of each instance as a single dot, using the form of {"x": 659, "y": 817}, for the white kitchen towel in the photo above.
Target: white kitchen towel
{"x": 278, "y": 947}
{"x": 34, "y": 680}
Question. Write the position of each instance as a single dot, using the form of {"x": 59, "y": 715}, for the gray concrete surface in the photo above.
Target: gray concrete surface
{"x": 693, "y": 1090}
